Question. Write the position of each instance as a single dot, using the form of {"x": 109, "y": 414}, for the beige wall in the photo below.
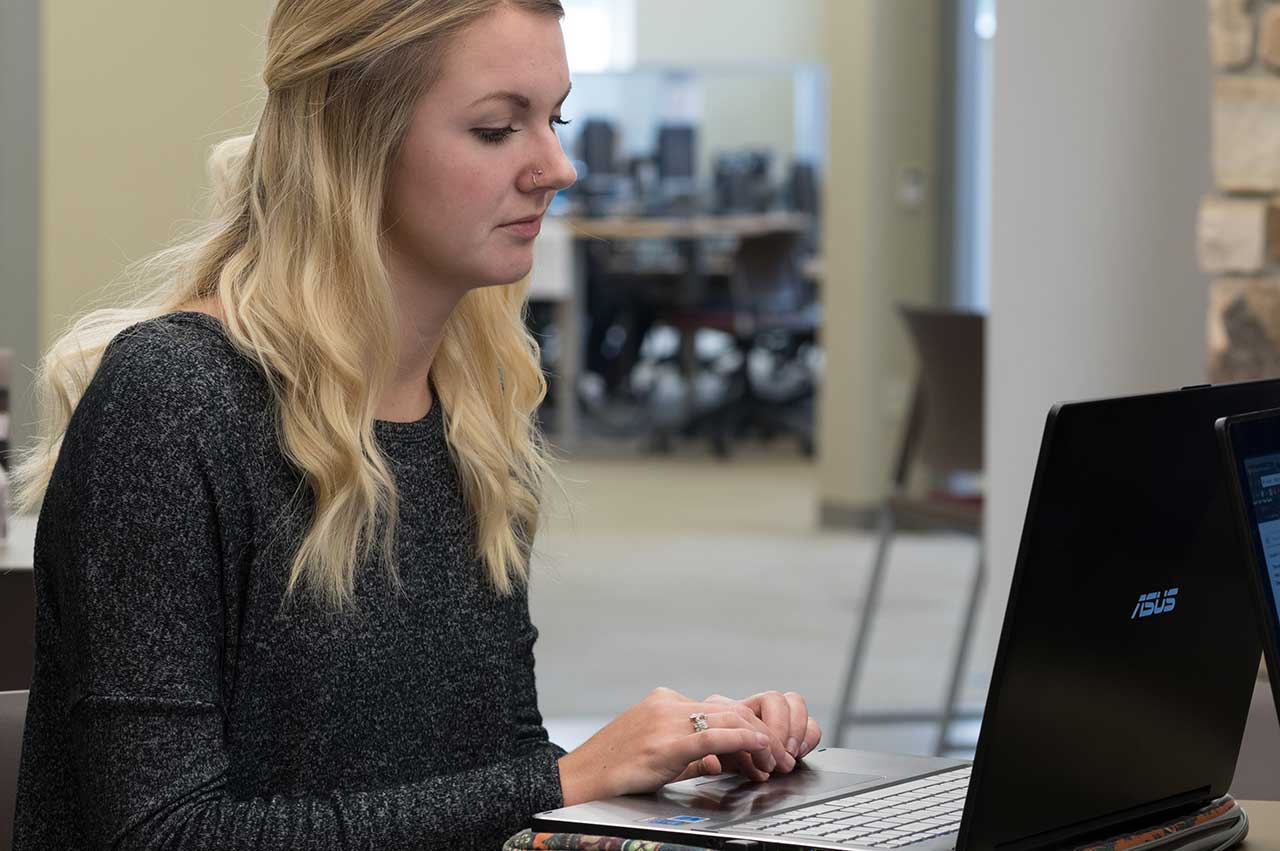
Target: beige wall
{"x": 884, "y": 63}
{"x": 132, "y": 97}
{"x": 19, "y": 196}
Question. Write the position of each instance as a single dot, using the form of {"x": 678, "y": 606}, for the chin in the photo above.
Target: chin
{"x": 513, "y": 274}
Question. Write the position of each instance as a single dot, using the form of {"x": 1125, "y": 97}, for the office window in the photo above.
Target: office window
{"x": 600, "y": 35}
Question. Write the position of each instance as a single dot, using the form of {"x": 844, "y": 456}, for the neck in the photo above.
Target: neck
{"x": 423, "y": 307}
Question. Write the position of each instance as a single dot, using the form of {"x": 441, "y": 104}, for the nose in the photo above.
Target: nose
{"x": 558, "y": 171}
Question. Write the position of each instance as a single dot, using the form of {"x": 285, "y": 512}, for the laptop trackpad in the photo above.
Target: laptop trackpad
{"x": 737, "y": 796}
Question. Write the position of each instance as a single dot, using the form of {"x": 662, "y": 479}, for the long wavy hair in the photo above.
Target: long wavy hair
{"x": 291, "y": 255}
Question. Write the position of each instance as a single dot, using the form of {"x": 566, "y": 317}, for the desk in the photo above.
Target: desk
{"x": 686, "y": 227}
{"x": 1264, "y": 826}
{"x": 688, "y": 233}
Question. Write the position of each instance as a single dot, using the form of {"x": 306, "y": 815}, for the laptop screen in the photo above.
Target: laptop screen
{"x": 1251, "y": 445}
{"x": 1262, "y": 474}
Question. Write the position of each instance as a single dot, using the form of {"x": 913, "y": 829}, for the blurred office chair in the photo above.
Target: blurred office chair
{"x": 600, "y": 183}
{"x": 771, "y": 309}
{"x": 803, "y": 196}
{"x": 13, "y": 714}
{"x": 598, "y": 146}
{"x": 741, "y": 182}
{"x": 677, "y": 146}
{"x": 943, "y": 432}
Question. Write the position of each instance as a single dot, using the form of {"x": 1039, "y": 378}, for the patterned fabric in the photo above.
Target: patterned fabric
{"x": 1217, "y": 809}
{"x": 527, "y": 840}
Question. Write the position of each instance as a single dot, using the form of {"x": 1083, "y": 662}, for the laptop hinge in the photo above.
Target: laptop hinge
{"x": 1110, "y": 824}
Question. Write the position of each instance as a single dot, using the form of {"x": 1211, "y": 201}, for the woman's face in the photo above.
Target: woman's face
{"x": 466, "y": 168}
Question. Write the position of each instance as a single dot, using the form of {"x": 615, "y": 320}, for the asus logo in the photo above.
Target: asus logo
{"x": 1155, "y": 603}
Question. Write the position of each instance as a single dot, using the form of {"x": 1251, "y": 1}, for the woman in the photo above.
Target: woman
{"x": 287, "y": 498}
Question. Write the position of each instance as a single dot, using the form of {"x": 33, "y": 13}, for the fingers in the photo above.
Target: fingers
{"x": 775, "y": 711}
{"x": 812, "y": 735}
{"x": 707, "y": 766}
{"x": 717, "y": 740}
{"x": 799, "y": 718}
{"x": 776, "y": 756}
{"x": 755, "y": 767}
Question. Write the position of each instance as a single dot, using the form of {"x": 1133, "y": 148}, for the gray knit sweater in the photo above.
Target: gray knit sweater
{"x": 177, "y": 704}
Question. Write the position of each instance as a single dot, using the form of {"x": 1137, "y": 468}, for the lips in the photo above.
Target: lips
{"x": 524, "y": 221}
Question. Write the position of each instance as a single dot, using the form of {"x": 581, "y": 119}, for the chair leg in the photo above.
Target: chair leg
{"x": 862, "y": 634}
{"x": 962, "y": 653}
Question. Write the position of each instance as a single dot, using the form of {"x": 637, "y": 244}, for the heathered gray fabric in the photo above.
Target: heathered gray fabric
{"x": 174, "y": 703}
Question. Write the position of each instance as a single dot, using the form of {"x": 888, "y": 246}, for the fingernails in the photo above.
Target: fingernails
{"x": 772, "y": 763}
{"x": 789, "y": 762}
{"x": 792, "y": 744}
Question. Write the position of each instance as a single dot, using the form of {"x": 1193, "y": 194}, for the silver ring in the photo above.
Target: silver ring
{"x": 699, "y": 722}
{"x": 537, "y": 172}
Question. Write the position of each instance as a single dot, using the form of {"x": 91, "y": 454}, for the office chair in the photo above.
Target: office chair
{"x": 13, "y": 714}
{"x": 771, "y": 306}
{"x": 943, "y": 432}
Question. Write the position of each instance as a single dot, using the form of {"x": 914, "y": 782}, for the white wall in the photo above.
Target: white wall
{"x": 738, "y": 111}
{"x": 1100, "y": 155}
{"x": 678, "y": 31}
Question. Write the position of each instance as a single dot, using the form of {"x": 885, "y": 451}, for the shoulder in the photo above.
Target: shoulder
{"x": 175, "y": 351}
{"x": 175, "y": 373}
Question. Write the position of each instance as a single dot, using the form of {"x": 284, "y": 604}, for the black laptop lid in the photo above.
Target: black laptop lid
{"x": 1251, "y": 455}
{"x": 1129, "y": 650}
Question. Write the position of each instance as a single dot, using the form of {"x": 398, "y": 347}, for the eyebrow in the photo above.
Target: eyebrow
{"x": 517, "y": 98}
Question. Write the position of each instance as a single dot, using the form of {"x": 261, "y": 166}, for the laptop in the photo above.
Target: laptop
{"x": 1121, "y": 684}
{"x": 1250, "y": 446}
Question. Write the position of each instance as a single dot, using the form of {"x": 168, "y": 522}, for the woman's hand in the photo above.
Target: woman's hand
{"x": 653, "y": 743}
{"x": 786, "y": 716}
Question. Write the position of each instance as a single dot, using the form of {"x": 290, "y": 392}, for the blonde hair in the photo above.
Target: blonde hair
{"x": 291, "y": 257}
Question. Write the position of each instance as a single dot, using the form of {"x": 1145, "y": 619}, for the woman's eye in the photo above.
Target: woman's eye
{"x": 498, "y": 135}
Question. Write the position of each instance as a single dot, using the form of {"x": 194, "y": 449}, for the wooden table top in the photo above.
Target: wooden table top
{"x": 698, "y": 226}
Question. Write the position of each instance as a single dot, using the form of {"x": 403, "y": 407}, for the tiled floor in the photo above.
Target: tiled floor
{"x": 707, "y": 576}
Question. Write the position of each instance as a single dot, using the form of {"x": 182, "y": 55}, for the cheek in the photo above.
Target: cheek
{"x": 458, "y": 199}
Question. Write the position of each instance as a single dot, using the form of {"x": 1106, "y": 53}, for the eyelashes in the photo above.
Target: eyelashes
{"x": 498, "y": 135}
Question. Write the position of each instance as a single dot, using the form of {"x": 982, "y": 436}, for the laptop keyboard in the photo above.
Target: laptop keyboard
{"x": 888, "y": 818}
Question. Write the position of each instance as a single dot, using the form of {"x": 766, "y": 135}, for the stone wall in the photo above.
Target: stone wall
{"x": 1239, "y": 224}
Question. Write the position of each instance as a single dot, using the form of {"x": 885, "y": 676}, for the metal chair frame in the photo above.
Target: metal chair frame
{"x": 950, "y": 383}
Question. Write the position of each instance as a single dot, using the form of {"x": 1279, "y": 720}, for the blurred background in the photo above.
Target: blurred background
{"x": 795, "y": 225}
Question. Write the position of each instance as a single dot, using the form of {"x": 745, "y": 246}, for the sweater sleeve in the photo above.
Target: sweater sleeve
{"x": 131, "y": 518}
